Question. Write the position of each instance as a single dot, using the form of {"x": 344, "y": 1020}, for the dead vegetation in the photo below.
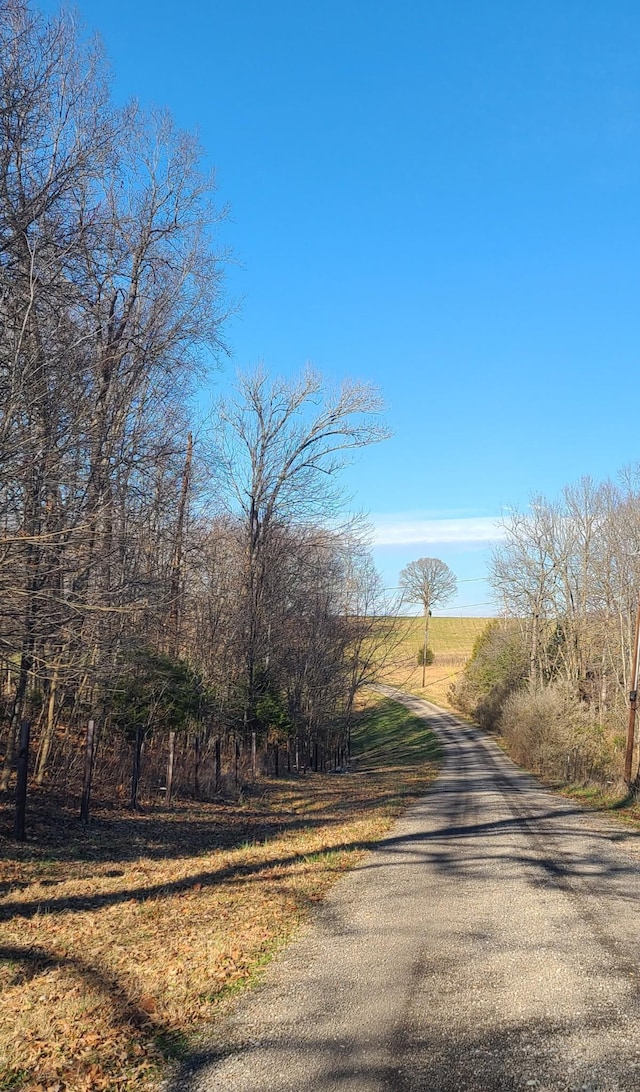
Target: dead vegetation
{"x": 451, "y": 640}
{"x": 120, "y": 945}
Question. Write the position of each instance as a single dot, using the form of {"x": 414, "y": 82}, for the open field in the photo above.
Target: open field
{"x": 451, "y": 640}
{"x": 119, "y": 946}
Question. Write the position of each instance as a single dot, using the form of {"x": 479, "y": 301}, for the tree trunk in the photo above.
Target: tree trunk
{"x": 21, "y": 784}
{"x": 196, "y": 767}
{"x": 48, "y": 733}
{"x": 89, "y": 756}
{"x": 26, "y": 661}
{"x": 533, "y": 671}
{"x": 217, "y": 765}
{"x": 170, "y": 762}
{"x": 137, "y": 764}
{"x": 173, "y": 643}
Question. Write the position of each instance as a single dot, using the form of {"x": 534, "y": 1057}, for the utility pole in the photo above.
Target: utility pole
{"x": 427, "y": 615}
{"x": 633, "y": 704}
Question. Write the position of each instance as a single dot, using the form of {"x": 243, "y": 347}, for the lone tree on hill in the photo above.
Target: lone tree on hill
{"x": 428, "y": 581}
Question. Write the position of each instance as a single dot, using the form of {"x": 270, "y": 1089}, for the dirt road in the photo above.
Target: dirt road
{"x": 492, "y": 941}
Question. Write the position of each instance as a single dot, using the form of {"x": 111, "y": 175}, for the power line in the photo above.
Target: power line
{"x": 459, "y": 606}
{"x": 465, "y": 580}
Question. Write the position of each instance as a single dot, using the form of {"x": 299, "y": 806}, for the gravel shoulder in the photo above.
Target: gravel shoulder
{"x": 489, "y": 942}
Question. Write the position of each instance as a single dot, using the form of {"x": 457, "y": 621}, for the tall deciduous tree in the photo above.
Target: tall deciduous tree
{"x": 431, "y": 583}
{"x": 283, "y": 446}
{"x": 115, "y": 584}
{"x": 109, "y": 293}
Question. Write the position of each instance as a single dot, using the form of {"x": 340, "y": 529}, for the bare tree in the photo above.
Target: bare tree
{"x": 527, "y": 571}
{"x": 282, "y": 448}
{"x": 109, "y": 297}
{"x": 126, "y": 600}
{"x": 431, "y": 583}
{"x": 54, "y": 129}
{"x": 568, "y": 573}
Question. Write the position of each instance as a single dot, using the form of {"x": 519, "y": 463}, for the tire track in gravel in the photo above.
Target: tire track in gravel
{"x": 556, "y": 864}
{"x": 557, "y": 868}
{"x": 550, "y": 857}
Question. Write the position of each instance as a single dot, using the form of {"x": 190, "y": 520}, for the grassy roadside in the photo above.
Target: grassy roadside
{"x": 119, "y": 946}
{"x": 614, "y": 801}
{"x": 617, "y": 803}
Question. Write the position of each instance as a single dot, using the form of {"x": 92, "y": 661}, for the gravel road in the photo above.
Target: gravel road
{"x": 492, "y": 941}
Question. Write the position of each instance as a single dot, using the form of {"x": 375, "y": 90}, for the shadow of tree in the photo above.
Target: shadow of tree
{"x": 188, "y": 829}
{"x": 432, "y": 847}
{"x": 525, "y": 1053}
{"x": 124, "y": 1011}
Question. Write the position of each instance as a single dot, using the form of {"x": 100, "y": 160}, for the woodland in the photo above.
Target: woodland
{"x": 182, "y": 606}
{"x": 554, "y": 673}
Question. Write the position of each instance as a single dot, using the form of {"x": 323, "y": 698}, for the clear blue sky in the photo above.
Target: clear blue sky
{"x": 442, "y": 198}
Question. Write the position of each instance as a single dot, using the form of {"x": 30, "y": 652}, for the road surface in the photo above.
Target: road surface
{"x": 492, "y": 941}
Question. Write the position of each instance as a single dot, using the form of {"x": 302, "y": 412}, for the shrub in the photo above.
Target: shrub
{"x": 420, "y": 657}
{"x": 555, "y": 734}
{"x": 497, "y": 668}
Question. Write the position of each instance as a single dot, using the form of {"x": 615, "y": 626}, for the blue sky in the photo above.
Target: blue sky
{"x": 441, "y": 198}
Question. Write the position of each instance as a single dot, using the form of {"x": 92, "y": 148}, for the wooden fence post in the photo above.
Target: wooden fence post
{"x": 21, "y": 783}
{"x": 89, "y": 751}
{"x": 217, "y": 764}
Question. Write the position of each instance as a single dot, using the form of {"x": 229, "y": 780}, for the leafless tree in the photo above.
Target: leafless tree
{"x": 282, "y": 448}
{"x": 109, "y": 293}
{"x": 568, "y": 571}
{"x": 130, "y": 595}
{"x": 431, "y": 583}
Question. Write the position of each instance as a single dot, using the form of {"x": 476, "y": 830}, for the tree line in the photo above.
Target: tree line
{"x": 184, "y": 585}
{"x": 554, "y": 674}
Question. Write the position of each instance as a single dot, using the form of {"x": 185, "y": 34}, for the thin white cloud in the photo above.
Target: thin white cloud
{"x": 389, "y": 530}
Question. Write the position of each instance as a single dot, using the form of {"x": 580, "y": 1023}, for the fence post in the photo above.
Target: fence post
{"x": 88, "y": 773}
{"x": 21, "y": 783}
{"x": 217, "y": 765}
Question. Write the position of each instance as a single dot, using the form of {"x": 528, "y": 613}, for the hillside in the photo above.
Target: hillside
{"x": 451, "y": 640}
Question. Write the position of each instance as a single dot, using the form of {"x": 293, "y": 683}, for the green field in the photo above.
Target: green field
{"x": 451, "y": 640}
{"x": 386, "y": 736}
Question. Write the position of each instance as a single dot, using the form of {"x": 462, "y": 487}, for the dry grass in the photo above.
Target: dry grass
{"x": 120, "y": 945}
{"x": 615, "y": 801}
{"x": 451, "y": 640}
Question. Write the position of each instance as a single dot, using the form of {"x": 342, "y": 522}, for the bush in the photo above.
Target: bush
{"x": 554, "y": 734}
{"x": 155, "y": 691}
{"x": 420, "y": 657}
{"x": 497, "y": 667}
{"x": 535, "y": 729}
{"x": 549, "y": 730}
